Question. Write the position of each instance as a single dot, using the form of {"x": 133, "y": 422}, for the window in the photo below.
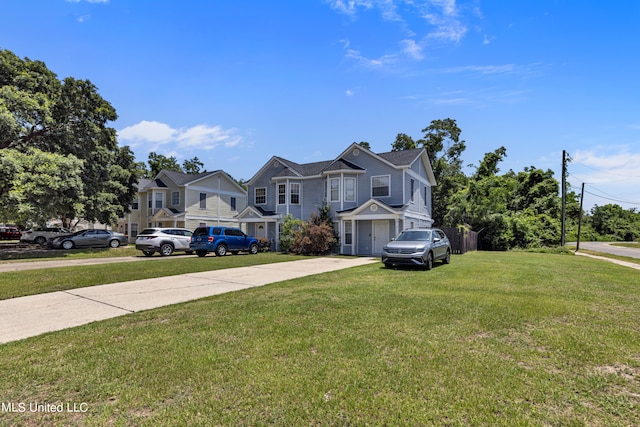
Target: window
{"x": 159, "y": 200}
{"x": 349, "y": 189}
{"x": 261, "y": 196}
{"x": 282, "y": 194}
{"x": 412, "y": 189}
{"x": 135, "y": 205}
{"x": 233, "y": 204}
{"x": 334, "y": 189}
{"x": 295, "y": 193}
{"x": 203, "y": 200}
{"x": 380, "y": 186}
{"x": 348, "y": 233}
{"x": 134, "y": 229}
{"x": 425, "y": 196}
{"x": 175, "y": 198}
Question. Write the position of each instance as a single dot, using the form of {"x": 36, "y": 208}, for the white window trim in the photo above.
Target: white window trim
{"x": 337, "y": 199}
{"x": 388, "y": 185}
{"x": 284, "y": 194}
{"x": 291, "y": 193}
{"x": 355, "y": 189}
{"x": 255, "y": 195}
{"x": 172, "y": 193}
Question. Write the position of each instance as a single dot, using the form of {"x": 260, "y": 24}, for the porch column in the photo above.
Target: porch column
{"x": 353, "y": 237}
{"x": 397, "y": 226}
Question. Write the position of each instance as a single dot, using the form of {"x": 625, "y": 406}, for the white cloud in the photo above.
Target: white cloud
{"x": 611, "y": 175}
{"x": 153, "y": 135}
{"x": 368, "y": 62}
{"x": 412, "y": 49}
{"x": 442, "y": 18}
{"x": 350, "y": 92}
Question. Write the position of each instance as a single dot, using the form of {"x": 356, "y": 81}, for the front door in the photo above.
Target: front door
{"x": 380, "y": 236}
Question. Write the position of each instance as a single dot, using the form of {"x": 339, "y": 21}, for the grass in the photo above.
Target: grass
{"x": 492, "y": 339}
{"x": 612, "y": 256}
{"x": 25, "y": 253}
{"x": 30, "y": 282}
{"x": 627, "y": 244}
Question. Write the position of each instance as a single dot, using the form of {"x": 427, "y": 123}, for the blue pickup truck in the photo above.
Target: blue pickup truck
{"x": 222, "y": 240}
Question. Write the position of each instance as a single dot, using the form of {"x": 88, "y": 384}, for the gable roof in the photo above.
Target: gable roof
{"x": 397, "y": 159}
{"x": 181, "y": 179}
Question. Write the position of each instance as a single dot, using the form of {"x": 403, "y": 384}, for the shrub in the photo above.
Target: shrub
{"x": 313, "y": 239}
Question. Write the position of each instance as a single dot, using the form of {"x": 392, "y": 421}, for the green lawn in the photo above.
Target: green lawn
{"x": 20, "y": 283}
{"x": 493, "y": 339}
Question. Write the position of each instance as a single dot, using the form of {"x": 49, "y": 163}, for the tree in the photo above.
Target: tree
{"x": 403, "y": 142}
{"x": 365, "y": 144}
{"x": 158, "y": 162}
{"x": 41, "y": 114}
{"x": 614, "y": 221}
{"x": 36, "y": 186}
{"x": 193, "y": 166}
{"x": 444, "y": 148}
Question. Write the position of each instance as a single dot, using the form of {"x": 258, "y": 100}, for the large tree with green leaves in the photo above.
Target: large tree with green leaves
{"x": 444, "y": 148}
{"x": 41, "y": 114}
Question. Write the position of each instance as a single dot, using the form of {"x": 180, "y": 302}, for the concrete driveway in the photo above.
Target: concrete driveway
{"x": 34, "y": 315}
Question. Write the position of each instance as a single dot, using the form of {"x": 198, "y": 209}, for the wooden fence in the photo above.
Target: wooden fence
{"x": 462, "y": 241}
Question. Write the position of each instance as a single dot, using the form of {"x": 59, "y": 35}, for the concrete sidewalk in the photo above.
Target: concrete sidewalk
{"x": 34, "y": 315}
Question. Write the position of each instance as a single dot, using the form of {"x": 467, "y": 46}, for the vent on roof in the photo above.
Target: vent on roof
{"x": 356, "y": 152}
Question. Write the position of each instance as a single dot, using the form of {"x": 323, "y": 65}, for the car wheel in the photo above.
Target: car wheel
{"x": 201, "y": 253}
{"x": 253, "y": 249}
{"x": 148, "y": 253}
{"x": 40, "y": 240}
{"x": 221, "y": 250}
{"x": 447, "y": 258}
{"x": 429, "y": 262}
{"x": 67, "y": 244}
{"x": 114, "y": 243}
{"x": 166, "y": 249}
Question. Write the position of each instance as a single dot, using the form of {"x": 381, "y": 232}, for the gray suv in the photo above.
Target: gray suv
{"x": 163, "y": 240}
{"x": 417, "y": 247}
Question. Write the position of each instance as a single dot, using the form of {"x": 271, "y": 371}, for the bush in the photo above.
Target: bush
{"x": 264, "y": 244}
{"x": 313, "y": 239}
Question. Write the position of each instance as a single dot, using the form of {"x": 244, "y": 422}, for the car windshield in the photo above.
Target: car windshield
{"x": 413, "y": 236}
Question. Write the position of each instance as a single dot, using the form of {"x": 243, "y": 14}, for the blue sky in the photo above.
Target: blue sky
{"x": 235, "y": 82}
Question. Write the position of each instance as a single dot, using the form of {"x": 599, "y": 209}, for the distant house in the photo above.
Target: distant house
{"x": 372, "y": 196}
{"x": 176, "y": 199}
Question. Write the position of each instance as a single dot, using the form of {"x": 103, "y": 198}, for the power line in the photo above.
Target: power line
{"x": 605, "y": 172}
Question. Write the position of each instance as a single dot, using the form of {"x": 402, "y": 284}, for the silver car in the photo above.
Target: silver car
{"x": 90, "y": 238}
{"x": 163, "y": 240}
{"x": 417, "y": 247}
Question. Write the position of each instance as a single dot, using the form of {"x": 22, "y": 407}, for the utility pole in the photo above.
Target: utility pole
{"x": 564, "y": 196}
{"x": 580, "y": 218}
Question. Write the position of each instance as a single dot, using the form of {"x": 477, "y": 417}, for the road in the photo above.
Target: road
{"x": 606, "y": 247}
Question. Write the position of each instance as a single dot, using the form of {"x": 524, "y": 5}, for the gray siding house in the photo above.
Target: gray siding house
{"x": 372, "y": 196}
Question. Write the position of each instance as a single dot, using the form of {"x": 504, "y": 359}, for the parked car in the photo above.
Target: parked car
{"x": 9, "y": 233}
{"x": 417, "y": 247}
{"x": 90, "y": 238}
{"x": 164, "y": 240}
{"x": 42, "y": 235}
{"x": 222, "y": 240}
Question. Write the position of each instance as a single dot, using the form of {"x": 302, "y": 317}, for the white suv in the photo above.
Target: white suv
{"x": 163, "y": 240}
{"x": 41, "y": 235}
